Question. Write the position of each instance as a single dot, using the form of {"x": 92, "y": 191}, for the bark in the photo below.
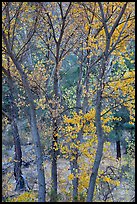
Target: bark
{"x": 39, "y": 158}
{"x": 86, "y": 82}
{"x": 74, "y": 163}
{"x": 57, "y": 99}
{"x": 94, "y": 173}
{"x": 99, "y": 130}
{"x": 21, "y": 183}
{"x": 54, "y": 163}
{"x": 34, "y": 130}
{"x": 118, "y": 146}
{"x": 99, "y": 151}
{"x": 18, "y": 153}
{"x": 118, "y": 149}
{"x": 55, "y": 117}
{"x": 74, "y": 171}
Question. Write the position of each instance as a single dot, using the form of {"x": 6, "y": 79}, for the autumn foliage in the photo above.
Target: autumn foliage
{"x": 67, "y": 69}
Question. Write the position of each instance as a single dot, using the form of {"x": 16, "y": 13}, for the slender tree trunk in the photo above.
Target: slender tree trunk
{"x": 99, "y": 151}
{"x": 118, "y": 149}
{"x": 86, "y": 84}
{"x": 74, "y": 163}
{"x": 21, "y": 183}
{"x": 57, "y": 100}
{"x": 54, "y": 163}
{"x": 17, "y": 158}
{"x": 74, "y": 171}
{"x": 94, "y": 173}
{"x": 39, "y": 158}
{"x": 118, "y": 146}
{"x": 34, "y": 130}
{"x": 18, "y": 153}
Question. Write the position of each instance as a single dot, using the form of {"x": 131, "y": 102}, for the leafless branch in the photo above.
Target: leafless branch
{"x": 6, "y": 115}
{"x": 14, "y": 27}
{"x": 47, "y": 46}
{"x": 118, "y": 19}
{"x": 103, "y": 19}
{"x": 31, "y": 33}
{"x": 61, "y": 11}
{"x": 113, "y": 107}
{"x": 52, "y": 27}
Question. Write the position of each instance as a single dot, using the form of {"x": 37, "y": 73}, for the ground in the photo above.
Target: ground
{"x": 122, "y": 193}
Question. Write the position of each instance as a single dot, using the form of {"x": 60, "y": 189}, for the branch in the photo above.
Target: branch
{"x": 6, "y": 72}
{"x": 63, "y": 27}
{"x": 118, "y": 41}
{"x": 61, "y": 11}
{"x": 67, "y": 51}
{"x": 69, "y": 109}
{"x": 31, "y": 33}
{"x": 103, "y": 19}
{"x": 89, "y": 71}
{"x": 68, "y": 10}
{"x": 52, "y": 27}
{"x": 92, "y": 11}
{"x": 118, "y": 19}
{"x": 47, "y": 46}
{"x": 115, "y": 107}
{"x": 98, "y": 31}
{"x": 6, "y": 115}
{"x": 8, "y": 19}
{"x": 66, "y": 43}
{"x": 16, "y": 14}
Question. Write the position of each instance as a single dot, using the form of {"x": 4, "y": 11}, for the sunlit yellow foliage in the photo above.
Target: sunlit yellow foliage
{"x": 25, "y": 197}
{"x": 70, "y": 177}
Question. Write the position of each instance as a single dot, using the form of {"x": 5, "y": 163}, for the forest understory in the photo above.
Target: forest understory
{"x": 124, "y": 192}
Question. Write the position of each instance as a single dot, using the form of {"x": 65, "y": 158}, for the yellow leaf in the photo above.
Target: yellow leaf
{"x": 70, "y": 177}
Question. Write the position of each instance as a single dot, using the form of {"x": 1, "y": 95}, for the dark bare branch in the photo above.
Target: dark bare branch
{"x": 52, "y": 27}
{"x": 31, "y": 33}
{"x": 6, "y": 115}
{"x": 118, "y": 19}
{"x": 103, "y": 19}
{"x": 14, "y": 27}
{"x": 61, "y": 11}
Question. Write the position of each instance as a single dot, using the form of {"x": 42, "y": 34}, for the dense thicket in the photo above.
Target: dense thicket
{"x": 68, "y": 72}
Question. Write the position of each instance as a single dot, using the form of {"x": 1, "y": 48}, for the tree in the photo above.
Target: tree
{"x": 20, "y": 181}
{"x": 105, "y": 33}
{"x": 109, "y": 48}
{"x": 35, "y": 134}
{"x": 57, "y": 18}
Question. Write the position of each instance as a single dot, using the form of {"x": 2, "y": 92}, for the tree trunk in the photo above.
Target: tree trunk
{"x": 34, "y": 130}
{"x": 37, "y": 143}
{"x": 54, "y": 163}
{"x": 99, "y": 151}
{"x": 57, "y": 100}
{"x": 74, "y": 171}
{"x": 39, "y": 158}
{"x": 118, "y": 149}
{"x": 86, "y": 84}
{"x": 17, "y": 159}
{"x": 18, "y": 153}
{"x": 74, "y": 163}
{"x": 94, "y": 173}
